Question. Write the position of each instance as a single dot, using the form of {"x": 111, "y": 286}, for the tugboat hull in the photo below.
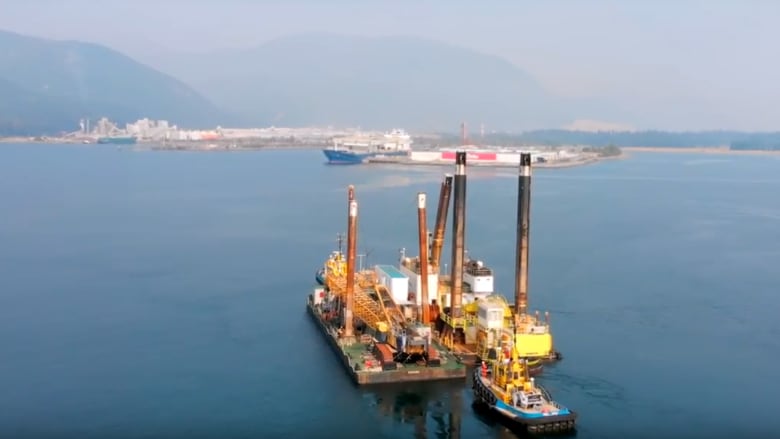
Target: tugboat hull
{"x": 562, "y": 422}
{"x": 320, "y": 277}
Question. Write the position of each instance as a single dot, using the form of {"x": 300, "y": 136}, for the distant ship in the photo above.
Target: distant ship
{"x": 117, "y": 140}
{"x": 356, "y": 149}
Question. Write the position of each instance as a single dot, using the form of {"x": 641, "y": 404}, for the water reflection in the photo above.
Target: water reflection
{"x": 505, "y": 429}
{"x": 436, "y": 411}
{"x": 421, "y": 411}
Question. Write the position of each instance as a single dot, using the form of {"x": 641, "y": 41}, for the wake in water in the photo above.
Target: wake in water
{"x": 418, "y": 176}
{"x": 391, "y": 181}
{"x": 696, "y": 162}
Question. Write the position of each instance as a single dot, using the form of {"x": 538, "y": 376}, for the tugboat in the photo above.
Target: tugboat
{"x": 511, "y": 392}
{"x": 336, "y": 265}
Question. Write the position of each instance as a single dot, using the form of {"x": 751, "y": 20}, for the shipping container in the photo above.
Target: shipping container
{"x": 395, "y": 282}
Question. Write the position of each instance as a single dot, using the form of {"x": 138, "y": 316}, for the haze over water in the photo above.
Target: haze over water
{"x": 161, "y": 294}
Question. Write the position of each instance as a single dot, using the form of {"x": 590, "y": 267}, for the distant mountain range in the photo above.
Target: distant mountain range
{"x": 46, "y": 86}
{"x": 374, "y": 82}
{"x": 310, "y": 79}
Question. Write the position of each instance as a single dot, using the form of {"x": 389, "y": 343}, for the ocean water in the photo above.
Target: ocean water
{"x": 161, "y": 294}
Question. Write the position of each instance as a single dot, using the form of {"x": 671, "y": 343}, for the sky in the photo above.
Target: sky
{"x": 688, "y": 64}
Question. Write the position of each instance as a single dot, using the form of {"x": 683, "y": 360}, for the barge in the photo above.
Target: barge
{"x": 366, "y": 321}
{"x": 472, "y": 318}
{"x": 368, "y": 362}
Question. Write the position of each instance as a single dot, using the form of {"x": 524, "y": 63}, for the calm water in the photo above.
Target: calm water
{"x": 161, "y": 294}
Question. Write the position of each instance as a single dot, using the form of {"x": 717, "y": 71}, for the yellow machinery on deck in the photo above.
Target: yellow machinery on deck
{"x": 497, "y": 324}
{"x": 374, "y": 306}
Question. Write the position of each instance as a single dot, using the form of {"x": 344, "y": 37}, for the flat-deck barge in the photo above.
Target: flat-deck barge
{"x": 367, "y": 319}
{"x": 363, "y": 365}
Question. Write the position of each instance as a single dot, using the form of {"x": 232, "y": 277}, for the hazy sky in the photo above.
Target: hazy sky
{"x": 713, "y": 63}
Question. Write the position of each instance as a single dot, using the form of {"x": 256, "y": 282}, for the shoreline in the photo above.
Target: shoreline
{"x": 273, "y": 146}
{"x": 206, "y": 147}
{"x": 584, "y": 160}
{"x": 221, "y": 148}
{"x": 547, "y": 165}
{"x": 717, "y": 150}
{"x": 590, "y": 159}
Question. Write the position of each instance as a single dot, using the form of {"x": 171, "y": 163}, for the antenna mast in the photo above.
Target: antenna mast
{"x": 360, "y": 261}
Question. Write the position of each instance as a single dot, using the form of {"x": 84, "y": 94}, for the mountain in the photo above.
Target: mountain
{"x": 46, "y": 86}
{"x": 20, "y": 110}
{"x": 374, "y": 82}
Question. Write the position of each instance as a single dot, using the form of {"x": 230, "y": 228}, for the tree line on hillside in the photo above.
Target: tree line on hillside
{"x": 662, "y": 139}
{"x": 604, "y": 151}
{"x": 769, "y": 142}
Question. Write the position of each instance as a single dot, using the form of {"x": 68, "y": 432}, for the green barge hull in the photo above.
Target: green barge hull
{"x": 350, "y": 356}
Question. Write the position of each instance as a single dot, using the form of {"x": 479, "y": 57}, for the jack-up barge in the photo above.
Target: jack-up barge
{"x": 411, "y": 326}
{"x": 475, "y": 319}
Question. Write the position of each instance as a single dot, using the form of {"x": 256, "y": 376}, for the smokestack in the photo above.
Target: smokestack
{"x": 351, "y": 250}
{"x": 441, "y": 221}
{"x": 458, "y": 234}
{"x": 523, "y": 223}
{"x": 423, "y": 236}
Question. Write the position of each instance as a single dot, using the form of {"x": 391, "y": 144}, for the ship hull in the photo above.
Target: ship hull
{"x": 116, "y": 140}
{"x": 342, "y": 157}
{"x": 349, "y": 356}
{"x": 562, "y": 422}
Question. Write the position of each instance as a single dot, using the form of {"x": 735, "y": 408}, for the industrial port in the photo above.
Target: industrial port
{"x": 544, "y": 157}
{"x": 161, "y": 134}
{"x": 411, "y": 323}
{"x": 340, "y": 145}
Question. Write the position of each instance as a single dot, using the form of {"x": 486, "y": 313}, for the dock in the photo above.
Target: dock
{"x": 406, "y": 161}
{"x": 354, "y": 356}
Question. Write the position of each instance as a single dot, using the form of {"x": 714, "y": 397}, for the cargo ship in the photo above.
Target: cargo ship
{"x": 360, "y": 148}
{"x": 507, "y": 389}
{"x": 368, "y": 320}
{"x": 117, "y": 140}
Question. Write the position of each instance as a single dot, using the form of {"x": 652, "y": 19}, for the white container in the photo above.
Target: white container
{"x": 318, "y": 295}
{"x": 490, "y": 315}
{"x": 395, "y": 282}
{"x": 415, "y": 281}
